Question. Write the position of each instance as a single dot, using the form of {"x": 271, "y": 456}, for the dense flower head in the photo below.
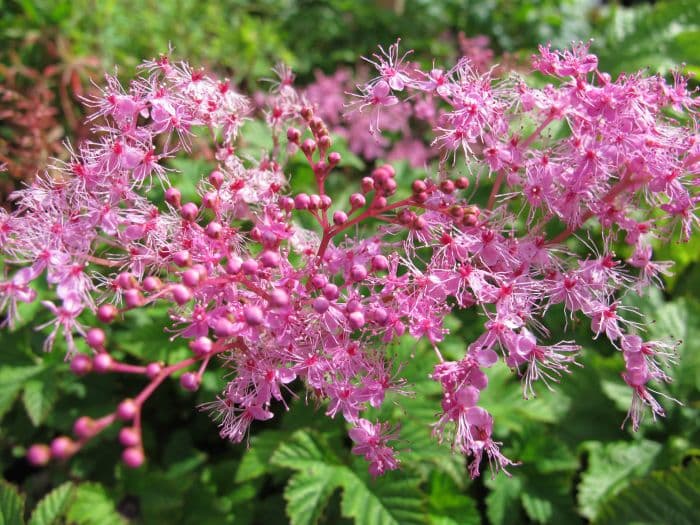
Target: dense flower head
{"x": 279, "y": 304}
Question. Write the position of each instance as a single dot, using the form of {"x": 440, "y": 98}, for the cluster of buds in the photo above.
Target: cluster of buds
{"x": 276, "y": 303}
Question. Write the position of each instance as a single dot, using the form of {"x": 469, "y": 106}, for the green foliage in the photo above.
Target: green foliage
{"x": 669, "y": 496}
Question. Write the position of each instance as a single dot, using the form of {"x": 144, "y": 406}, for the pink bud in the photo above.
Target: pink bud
{"x": 216, "y": 178}
{"x": 133, "y": 457}
{"x": 320, "y": 304}
{"x": 302, "y": 201}
{"x": 62, "y": 447}
{"x": 102, "y": 362}
{"x": 84, "y": 427}
{"x": 279, "y": 298}
{"x": 80, "y": 364}
{"x": 213, "y": 230}
{"x": 39, "y": 455}
{"x": 211, "y": 200}
{"x": 379, "y": 263}
{"x": 286, "y": 203}
{"x": 126, "y": 281}
{"x": 253, "y": 315}
{"x": 201, "y": 346}
{"x": 326, "y": 202}
{"x": 189, "y": 211}
{"x": 107, "y": 313}
{"x": 340, "y": 217}
{"x": 233, "y": 265}
{"x": 224, "y": 328}
{"x": 181, "y": 294}
{"x": 173, "y": 197}
{"x": 191, "y": 278}
{"x": 330, "y": 292}
{"x": 354, "y": 305}
{"x": 334, "y": 158}
{"x": 127, "y": 409}
{"x": 379, "y": 202}
{"x": 129, "y": 437}
{"x": 189, "y": 381}
{"x": 182, "y": 258}
{"x": 152, "y": 284}
{"x": 250, "y": 266}
{"x": 314, "y": 202}
{"x": 380, "y": 315}
{"x": 153, "y": 369}
{"x": 308, "y": 146}
{"x": 133, "y": 298}
{"x": 319, "y": 280}
{"x": 293, "y": 135}
{"x": 357, "y": 200}
{"x": 270, "y": 259}
{"x": 95, "y": 338}
{"x": 356, "y": 320}
{"x": 367, "y": 184}
{"x": 358, "y": 272}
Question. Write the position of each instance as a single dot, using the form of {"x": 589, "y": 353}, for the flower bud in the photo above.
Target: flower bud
{"x": 319, "y": 280}
{"x": 80, "y": 364}
{"x": 293, "y": 135}
{"x": 326, "y": 202}
{"x": 279, "y": 298}
{"x": 357, "y": 200}
{"x": 182, "y": 258}
{"x": 95, "y": 338}
{"x": 224, "y": 328}
{"x": 253, "y": 315}
{"x": 152, "y": 284}
{"x": 173, "y": 197}
{"x": 334, "y": 158}
{"x": 379, "y": 263}
{"x": 107, "y": 313}
{"x": 356, "y": 320}
{"x": 189, "y": 211}
{"x": 201, "y": 346}
{"x": 189, "y": 381}
{"x": 153, "y": 369}
{"x": 447, "y": 186}
{"x": 358, "y": 272}
{"x": 84, "y": 427}
{"x": 129, "y": 437}
{"x": 133, "y": 298}
{"x": 308, "y": 147}
{"x": 320, "y": 305}
{"x": 367, "y": 184}
{"x": 314, "y": 202}
{"x": 418, "y": 186}
{"x": 102, "y": 362}
{"x": 62, "y": 447}
{"x": 340, "y": 217}
{"x": 39, "y": 455}
{"x": 133, "y": 457}
{"x": 216, "y": 178}
{"x": 213, "y": 230}
{"x": 234, "y": 265}
{"x": 181, "y": 294}
{"x": 462, "y": 183}
{"x": 302, "y": 201}
{"x": 191, "y": 278}
{"x": 127, "y": 409}
{"x": 250, "y": 266}
{"x": 330, "y": 291}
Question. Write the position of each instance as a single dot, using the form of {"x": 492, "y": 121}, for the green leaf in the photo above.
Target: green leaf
{"x": 307, "y": 494}
{"x": 256, "y": 460}
{"x": 93, "y": 506}
{"x": 392, "y": 499}
{"x": 53, "y": 506}
{"x": 502, "y": 506}
{"x": 12, "y": 379}
{"x": 447, "y": 505}
{"x": 11, "y": 505}
{"x": 39, "y": 396}
{"x": 611, "y": 467}
{"x": 669, "y": 496}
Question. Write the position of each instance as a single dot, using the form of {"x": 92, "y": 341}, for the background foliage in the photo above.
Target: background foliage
{"x": 578, "y": 464}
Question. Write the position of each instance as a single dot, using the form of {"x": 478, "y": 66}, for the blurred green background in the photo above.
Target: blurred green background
{"x": 579, "y": 466}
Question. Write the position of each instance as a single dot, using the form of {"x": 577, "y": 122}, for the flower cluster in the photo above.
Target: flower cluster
{"x": 276, "y": 303}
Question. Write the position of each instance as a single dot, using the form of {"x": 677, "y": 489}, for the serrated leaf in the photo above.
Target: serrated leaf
{"x": 502, "y": 503}
{"x": 38, "y": 397}
{"x": 11, "y": 505}
{"x": 611, "y": 467}
{"x": 52, "y": 506}
{"x": 447, "y": 505}
{"x": 307, "y": 494}
{"x": 256, "y": 460}
{"x": 12, "y": 379}
{"x": 392, "y": 499}
{"x": 93, "y": 506}
{"x": 303, "y": 451}
{"x": 669, "y": 496}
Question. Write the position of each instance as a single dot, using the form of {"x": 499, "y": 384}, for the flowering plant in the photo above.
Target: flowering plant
{"x": 275, "y": 302}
